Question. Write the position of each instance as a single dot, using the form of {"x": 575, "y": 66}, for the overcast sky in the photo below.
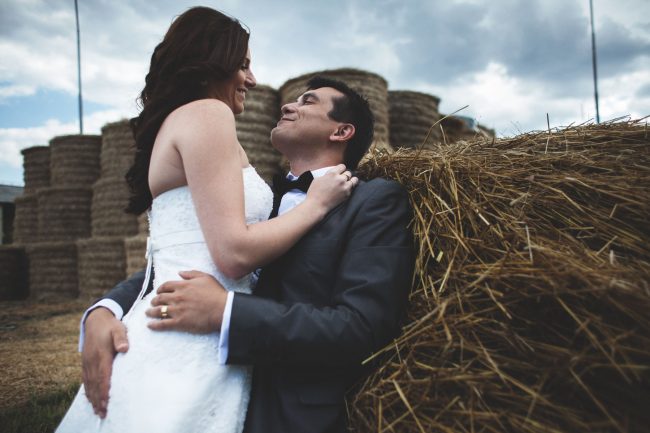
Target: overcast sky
{"x": 511, "y": 61}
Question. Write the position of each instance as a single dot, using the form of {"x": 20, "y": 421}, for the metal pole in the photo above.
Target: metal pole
{"x": 593, "y": 58}
{"x": 81, "y": 111}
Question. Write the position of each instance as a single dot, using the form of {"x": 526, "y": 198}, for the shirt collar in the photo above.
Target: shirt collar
{"x": 316, "y": 173}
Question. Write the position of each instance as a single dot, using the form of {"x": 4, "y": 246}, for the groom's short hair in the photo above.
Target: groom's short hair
{"x": 350, "y": 108}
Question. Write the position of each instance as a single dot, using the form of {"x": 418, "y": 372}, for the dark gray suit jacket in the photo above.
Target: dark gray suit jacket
{"x": 319, "y": 311}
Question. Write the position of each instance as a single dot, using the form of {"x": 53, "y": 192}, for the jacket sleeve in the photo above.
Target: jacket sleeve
{"x": 369, "y": 297}
{"x": 126, "y": 292}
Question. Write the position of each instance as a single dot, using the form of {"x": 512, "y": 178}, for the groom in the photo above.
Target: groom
{"x": 317, "y": 312}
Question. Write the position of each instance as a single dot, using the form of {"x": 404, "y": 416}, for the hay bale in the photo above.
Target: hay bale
{"x": 63, "y": 213}
{"x": 74, "y": 159}
{"x": 52, "y": 270}
{"x": 26, "y": 219}
{"x": 455, "y": 128}
{"x": 530, "y": 306}
{"x": 118, "y": 149}
{"x": 371, "y": 85}
{"x": 13, "y": 273}
{"x": 412, "y": 115}
{"x": 100, "y": 263}
{"x": 36, "y": 168}
{"x": 143, "y": 224}
{"x": 135, "y": 248}
{"x": 254, "y": 127}
{"x": 110, "y": 197}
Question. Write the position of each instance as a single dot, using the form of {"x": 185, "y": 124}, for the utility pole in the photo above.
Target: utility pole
{"x": 593, "y": 58}
{"x": 81, "y": 111}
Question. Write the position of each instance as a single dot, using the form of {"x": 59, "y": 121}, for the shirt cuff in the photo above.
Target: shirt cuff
{"x": 225, "y": 330}
{"x": 112, "y": 306}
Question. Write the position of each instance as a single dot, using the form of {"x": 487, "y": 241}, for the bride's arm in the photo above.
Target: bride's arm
{"x": 206, "y": 140}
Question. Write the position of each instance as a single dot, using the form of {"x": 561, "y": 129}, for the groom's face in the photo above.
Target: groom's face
{"x": 306, "y": 122}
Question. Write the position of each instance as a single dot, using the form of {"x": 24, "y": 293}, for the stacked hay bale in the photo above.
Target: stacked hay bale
{"x": 102, "y": 257}
{"x": 371, "y": 85}
{"x": 412, "y": 119}
{"x": 455, "y": 128}
{"x": 36, "y": 174}
{"x": 110, "y": 192}
{"x": 254, "y": 127}
{"x": 531, "y": 298}
{"x": 13, "y": 260}
{"x": 63, "y": 215}
{"x": 135, "y": 247}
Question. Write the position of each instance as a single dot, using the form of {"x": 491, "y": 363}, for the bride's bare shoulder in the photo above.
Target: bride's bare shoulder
{"x": 212, "y": 110}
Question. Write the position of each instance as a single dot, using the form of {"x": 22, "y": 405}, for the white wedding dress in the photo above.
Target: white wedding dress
{"x": 171, "y": 382}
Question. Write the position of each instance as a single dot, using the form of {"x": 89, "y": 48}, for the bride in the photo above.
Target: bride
{"x": 208, "y": 212}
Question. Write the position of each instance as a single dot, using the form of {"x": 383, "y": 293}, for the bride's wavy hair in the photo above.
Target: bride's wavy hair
{"x": 201, "y": 48}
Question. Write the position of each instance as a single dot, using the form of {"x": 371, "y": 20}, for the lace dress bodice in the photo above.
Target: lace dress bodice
{"x": 176, "y": 238}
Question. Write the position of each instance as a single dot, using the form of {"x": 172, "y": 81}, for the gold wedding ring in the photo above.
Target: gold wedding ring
{"x": 163, "y": 312}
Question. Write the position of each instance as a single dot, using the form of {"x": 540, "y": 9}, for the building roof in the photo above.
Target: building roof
{"x": 9, "y": 192}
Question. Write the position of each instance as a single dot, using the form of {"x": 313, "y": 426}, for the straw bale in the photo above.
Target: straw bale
{"x": 110, "y": 197}
{"x": 63, "y": 213}
{"x": 36, "y": 168}
{"x": 372, "y": 86}
{"x": 26, "y": 219}
{"x": 529, "y": 311}
{"x": 101, "y": 263}
{"x": 118, "y": 149}
{"x": 454, "y": 128}
{"x": 74, "y": 159}
{"x": 254, "y": 127}
{"x": 143, "y": 224}
{"x": 135, "y": 248}
{"x": 13, "y": 273}
{"x": 52, "y": 270}
{"x": 412, "y": 114}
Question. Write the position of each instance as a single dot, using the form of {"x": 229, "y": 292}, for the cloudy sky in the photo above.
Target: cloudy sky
{"x": 511, "y": 61}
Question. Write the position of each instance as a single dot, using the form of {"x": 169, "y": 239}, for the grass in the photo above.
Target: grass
{"x": 39, "y": 414}
{"x": 41, "y": 368}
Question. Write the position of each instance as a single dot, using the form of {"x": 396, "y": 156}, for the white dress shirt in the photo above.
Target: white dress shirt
{"x": 290, "y": 200}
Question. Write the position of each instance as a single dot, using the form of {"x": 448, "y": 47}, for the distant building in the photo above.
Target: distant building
{"x": 8, "y": 195}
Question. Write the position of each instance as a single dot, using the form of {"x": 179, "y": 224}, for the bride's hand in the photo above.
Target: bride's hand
{"x": 331, "y": 189}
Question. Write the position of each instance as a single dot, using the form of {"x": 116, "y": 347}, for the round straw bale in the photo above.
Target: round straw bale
{"x": 101, "y": 263}
{"x": 143, "y": 224}
{"x": 52, "y": 270}
{"x": 74, "y": 159}
{"x": 530, "y": 306}
{"x": 370, "y": 85}
{"x": 64, "y": 213}
{"x": 135, "y": 248}
{"x": 118, "y": 149}
{"x": 36, "y": 168}
{"x": 455, "y": 128}
{"x": 13, "y": 273}
{"x": 412, "y": 114}
{"x": 110, "y": 197}
{"x": 26, "y": 219}
{"x": 254, "y": 127}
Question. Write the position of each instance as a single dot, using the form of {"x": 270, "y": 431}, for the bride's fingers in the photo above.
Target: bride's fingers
{"x": 337, "y": 169}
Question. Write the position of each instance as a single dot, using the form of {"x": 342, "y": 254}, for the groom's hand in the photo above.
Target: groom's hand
{"x": 194, "y": 304}
{"x": 104, "y": 337}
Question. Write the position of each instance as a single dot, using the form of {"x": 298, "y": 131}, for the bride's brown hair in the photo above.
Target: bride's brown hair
{"x": 202, "y": 47}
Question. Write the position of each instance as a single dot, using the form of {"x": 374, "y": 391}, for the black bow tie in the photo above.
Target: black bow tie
{"x": 282, "y": 185}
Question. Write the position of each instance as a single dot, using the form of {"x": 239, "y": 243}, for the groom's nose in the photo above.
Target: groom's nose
{"x": 288, "y": 108}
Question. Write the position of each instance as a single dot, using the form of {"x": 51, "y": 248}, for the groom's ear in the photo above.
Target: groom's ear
{"x": 344, "y": 132}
